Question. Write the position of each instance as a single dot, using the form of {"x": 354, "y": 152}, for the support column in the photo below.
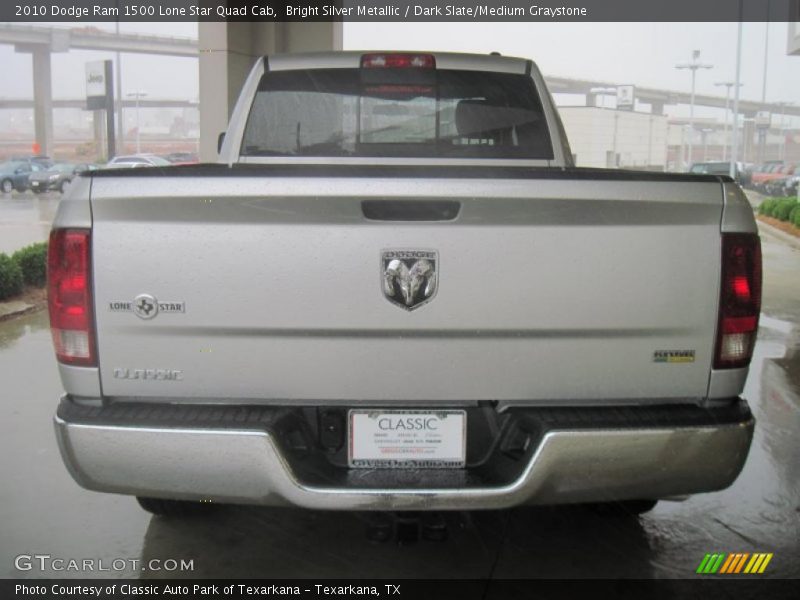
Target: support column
{"x": 118, "y": 99}
{"x": 228, "y": 51}
{"x": 42, "y": 94}
{"x": 120, "y": 149}
{"x": 748, "y": 133}
{"x": 99, "y": 128}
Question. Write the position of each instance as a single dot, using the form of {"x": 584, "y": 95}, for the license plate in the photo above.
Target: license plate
{"x": 389, "y": 439}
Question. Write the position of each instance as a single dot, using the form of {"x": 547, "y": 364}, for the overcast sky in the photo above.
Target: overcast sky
{"x": 625, "y": 53}
{"x": 160, "y": 76}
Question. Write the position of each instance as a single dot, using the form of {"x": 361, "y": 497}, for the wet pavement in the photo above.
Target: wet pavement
{"x": 25, "y": 218}
{"x": 44, "y": 512}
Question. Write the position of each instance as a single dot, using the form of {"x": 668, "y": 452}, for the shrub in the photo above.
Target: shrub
{"x": 784, "y": 208}
{"x": 795, "y": 216}
{"x": 33, "y": 262}
{"x": 767, "y": 206}
{"x": 10, "y": 277}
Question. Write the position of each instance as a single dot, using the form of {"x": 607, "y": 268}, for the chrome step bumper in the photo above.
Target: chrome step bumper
{"x": 247, "y": 466}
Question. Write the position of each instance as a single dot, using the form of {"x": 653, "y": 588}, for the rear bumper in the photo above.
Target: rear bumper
{"x": 236, "y": 455}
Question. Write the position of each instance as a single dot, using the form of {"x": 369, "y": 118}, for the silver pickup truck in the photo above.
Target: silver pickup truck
{"x": 395, "y": 291}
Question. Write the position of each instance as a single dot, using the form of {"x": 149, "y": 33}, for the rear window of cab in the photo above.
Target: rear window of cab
{"x": 397, "y": 113}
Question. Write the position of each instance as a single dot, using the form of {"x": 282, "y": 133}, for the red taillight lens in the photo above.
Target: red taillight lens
{"x": 69, "y": 296}
{"x": 398, "y": 61}
{"x": 740, "y": 300}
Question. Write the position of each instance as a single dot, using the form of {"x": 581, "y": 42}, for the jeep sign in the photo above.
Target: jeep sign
{"x": 95, "y": 78}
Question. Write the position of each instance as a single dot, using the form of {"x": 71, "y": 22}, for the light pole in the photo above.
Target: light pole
{"x": 732, "y": 170}
{"x": 666, "y": 147}
{"x": 693, "y": 66}
{"x": 603, "y": 91}
{"x": 137, "y": 95}
{"x": 766, "y": 56}
{"x": 728, "y": 85}
{"x": 683, "y": 147}
{"x": 782, "y": 145}
{"x": 704, "y": 134}
{"x": 118, "y": 100}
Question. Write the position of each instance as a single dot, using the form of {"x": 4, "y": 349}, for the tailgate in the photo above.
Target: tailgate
{"x": 273, "y": 289}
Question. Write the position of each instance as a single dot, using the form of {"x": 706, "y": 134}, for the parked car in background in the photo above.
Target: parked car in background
{"x": 716, "y": 168}
{"x": 792, "y": 184}
{"x": 132, "y": 161}
{"x": 785, "y": 184}
{"x": 746, "y": 174}
{"x": 14, "y": 174}
{"x": 182, "y": 158}
{"x": 39, "y": 159}
{"x": 57, "y": 177}
{"x": 766, "y": 173}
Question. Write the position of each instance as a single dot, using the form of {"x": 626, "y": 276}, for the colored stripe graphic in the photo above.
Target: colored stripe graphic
{"x": 764, "y": 564}
{"x": 717, "y": 563}
{"x": 755, "y": 562}
{"x": 740, "y": 564}
{"x": 727, "y": 564}
{"x": 703, "y": 563}
{"x": 711, "y": 563}
{"x": 734, "y": 563}
{"x": 730, "y": 564}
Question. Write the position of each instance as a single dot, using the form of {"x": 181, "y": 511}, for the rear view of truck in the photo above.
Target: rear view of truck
{"x": 394, "y": 291}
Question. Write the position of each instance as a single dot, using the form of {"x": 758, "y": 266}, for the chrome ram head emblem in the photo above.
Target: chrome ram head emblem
{"x": 409, "y": 276}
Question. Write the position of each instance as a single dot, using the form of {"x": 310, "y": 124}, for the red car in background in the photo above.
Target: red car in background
{"x": 764, "y": 175}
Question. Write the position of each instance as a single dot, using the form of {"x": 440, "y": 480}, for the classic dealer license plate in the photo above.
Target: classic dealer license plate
{"x": 389, "y": 439}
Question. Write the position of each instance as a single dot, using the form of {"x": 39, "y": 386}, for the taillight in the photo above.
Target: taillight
{"x": 69, "y": 296}
{"x": 398, "y": 61}
{"x": 740, "y": 300}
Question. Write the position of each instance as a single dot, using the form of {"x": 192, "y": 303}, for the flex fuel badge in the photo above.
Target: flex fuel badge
{"x": 146, "y": 306}
{"x": 673, "y": 356}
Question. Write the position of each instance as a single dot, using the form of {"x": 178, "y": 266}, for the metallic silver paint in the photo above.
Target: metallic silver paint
{"x": 247, "y": 467}
{"x": 737, "y": 215}
{"x": 594, "y": 276}
{"x": 727, "y": 383}
{"x": 680, "y": 197}
{"x": 81, "y": 381}
{"x": 352, "y": 60}
{"x": 573, "y": 313}
{"x": 229, "y": 153}
{"x": 560, "y": 157}
{"x": 74, "y": 209}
